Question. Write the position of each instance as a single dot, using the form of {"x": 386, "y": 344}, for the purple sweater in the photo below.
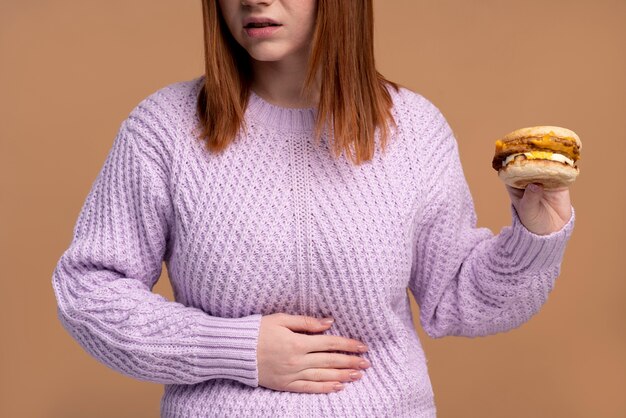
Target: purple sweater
{"x": 277, "y": 224}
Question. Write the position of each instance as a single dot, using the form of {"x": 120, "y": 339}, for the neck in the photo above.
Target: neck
{"x": 280, "y": 82}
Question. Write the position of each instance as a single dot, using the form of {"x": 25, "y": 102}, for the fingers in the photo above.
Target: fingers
{"x": 333, "y": 361}
{"x": 332, "y": 343}
{"x": 297, "y": 362}
{"x": 556, "y": 189}
{"x": 308, "y": 386}
{"x": 324, "y": 375}
{"x": 303, "y": 323}
{"x": 317, "y": 380}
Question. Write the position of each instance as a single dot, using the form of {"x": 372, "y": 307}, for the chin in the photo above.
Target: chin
{"x": 266, "y": 54}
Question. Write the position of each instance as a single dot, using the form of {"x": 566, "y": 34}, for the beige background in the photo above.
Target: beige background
{"x": 70, "y": 72}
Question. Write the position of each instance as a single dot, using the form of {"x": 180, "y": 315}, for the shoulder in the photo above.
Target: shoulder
{"x": 421, "y": 121}
{"x": 158, "y": 120}
{"x": 414, "y": 108}
{"x": 431, "y": 148}
{"x": 169, "y": 106}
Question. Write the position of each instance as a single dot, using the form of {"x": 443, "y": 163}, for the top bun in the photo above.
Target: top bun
{"x": 539, "y": 131}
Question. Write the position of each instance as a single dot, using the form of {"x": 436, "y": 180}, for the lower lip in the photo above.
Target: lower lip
{"x": 265, "y": 32}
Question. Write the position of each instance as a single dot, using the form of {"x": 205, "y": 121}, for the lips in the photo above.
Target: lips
{"x": 259, "y": 22}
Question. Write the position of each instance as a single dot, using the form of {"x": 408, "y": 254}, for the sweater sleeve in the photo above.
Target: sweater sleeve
{"x": 466, "y": 280}
{"x": 103, "y": 281}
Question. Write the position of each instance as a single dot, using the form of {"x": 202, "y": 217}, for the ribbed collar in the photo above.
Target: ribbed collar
{"x": 282, "y": 118}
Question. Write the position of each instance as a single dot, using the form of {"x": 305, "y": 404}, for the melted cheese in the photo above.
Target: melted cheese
{"x": 499, "y": 146}
{"x": 540, "y": 155}
{"x": 546, "y": 142}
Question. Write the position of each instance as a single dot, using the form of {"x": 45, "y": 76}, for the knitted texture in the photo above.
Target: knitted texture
{"x": 277, "y": 224}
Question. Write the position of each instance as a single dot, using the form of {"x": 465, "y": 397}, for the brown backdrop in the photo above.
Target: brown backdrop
{"x": 70, "y": 72}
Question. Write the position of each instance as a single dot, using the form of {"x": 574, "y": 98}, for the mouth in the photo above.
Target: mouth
{"x": 259, "y": 22}
{"x": 260, "y": 25}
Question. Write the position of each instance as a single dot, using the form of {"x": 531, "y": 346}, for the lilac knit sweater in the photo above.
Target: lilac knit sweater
{"x": 276, "y": 224}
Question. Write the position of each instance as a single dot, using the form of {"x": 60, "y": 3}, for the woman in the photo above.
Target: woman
{"x": 288, "y": 184}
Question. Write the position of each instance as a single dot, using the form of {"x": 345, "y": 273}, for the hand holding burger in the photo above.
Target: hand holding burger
{"x": 537, "y": 165}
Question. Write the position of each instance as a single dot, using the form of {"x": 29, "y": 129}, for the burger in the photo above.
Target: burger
{"x": 540, "y": 154}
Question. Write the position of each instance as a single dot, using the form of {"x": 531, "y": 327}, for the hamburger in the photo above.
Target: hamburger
{"x": 540, "y": 154}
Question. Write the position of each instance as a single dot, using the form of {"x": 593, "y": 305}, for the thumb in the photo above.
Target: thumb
{"x": 304, "y": 323}
{"x": 532, "y": 195}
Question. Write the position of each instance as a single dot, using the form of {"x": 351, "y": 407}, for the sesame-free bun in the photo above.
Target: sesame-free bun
{"x": 551, "y": 174}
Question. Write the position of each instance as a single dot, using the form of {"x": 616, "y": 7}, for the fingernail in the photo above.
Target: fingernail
{"x": 364, "y": 364}
{"x": 327, "y": 321}
{"x": 361, "y": 348}
{"x": 355, "y": 375}
{"x": 338, "y": 386}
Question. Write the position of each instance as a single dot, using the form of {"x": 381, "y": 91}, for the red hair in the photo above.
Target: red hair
{"x": 353, "y": 94}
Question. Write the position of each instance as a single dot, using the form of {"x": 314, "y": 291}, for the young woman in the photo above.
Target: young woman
{"x": 288, "y": 184}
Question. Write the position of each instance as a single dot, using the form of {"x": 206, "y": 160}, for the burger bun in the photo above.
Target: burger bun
{"x": 551, "y": 174}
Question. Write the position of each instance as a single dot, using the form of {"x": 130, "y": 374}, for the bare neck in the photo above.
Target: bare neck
{"x": 280, "y": 82}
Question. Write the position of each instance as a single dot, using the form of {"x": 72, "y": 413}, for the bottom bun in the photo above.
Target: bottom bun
{"x": 551, "y": 174}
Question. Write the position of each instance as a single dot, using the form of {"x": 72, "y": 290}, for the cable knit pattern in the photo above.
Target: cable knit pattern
{"x": 276, "y": 224}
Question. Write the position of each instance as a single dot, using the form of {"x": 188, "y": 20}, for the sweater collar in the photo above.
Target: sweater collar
{"x": 282, "y": 118}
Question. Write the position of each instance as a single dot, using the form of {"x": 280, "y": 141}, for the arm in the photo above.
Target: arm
{"x": 466, "y": 280}
{"x": 103, "y": 281}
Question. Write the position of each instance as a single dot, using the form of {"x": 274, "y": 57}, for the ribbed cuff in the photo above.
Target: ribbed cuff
{"x": 531, "y": 252}
{"x": 227, "y": 348}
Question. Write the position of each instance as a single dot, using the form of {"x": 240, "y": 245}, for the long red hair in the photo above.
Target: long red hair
{"x": 353, "y": 94}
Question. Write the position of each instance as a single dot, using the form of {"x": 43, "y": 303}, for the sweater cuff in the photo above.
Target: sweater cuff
{"x": 533, "y": 252}
{"x": 227, "y": 348}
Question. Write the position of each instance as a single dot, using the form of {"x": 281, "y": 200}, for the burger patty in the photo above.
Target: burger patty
{"x": 558, "y": 145}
